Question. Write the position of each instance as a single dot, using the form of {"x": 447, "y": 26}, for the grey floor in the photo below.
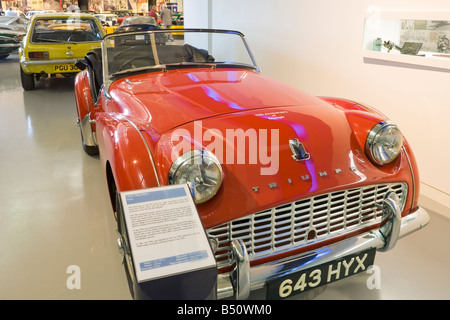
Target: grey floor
{"x": 55, "y": 214}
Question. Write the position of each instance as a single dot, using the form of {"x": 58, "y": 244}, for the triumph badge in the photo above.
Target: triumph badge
{"x": 298, "y": 150}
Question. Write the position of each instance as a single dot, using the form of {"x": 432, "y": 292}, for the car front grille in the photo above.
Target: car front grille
{"x": 303, "y": 222}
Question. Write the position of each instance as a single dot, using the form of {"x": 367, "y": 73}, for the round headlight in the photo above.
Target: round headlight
{"x": 384, "y": 143}
{"x": 201, "y": 170}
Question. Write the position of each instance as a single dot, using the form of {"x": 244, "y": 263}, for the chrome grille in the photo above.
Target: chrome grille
{"x": 302, "y": 222}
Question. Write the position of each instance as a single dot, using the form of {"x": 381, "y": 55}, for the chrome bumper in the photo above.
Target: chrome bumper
{"x": 47, "y": 62}
{"x": 10, "y": 45}
{"x": 244, "y": 279}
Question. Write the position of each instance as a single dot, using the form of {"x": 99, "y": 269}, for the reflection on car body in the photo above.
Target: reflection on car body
{"x": 9, "y": 42}
{"x": 14, "y": 23}
{"x": 289, "y": 187}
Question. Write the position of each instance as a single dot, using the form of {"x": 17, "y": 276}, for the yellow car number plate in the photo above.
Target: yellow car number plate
{"x": 65, "y": 68}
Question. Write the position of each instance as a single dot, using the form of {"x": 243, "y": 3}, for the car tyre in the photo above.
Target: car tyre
{"x": 125, "y": 249}
{"x": 27, "y": 80}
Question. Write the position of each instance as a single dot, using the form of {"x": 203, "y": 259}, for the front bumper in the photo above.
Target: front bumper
{"x": 244, "y": 279}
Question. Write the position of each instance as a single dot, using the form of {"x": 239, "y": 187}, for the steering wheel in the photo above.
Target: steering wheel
{"x": 148, "y": 62}
{"x": 75, "y": 32}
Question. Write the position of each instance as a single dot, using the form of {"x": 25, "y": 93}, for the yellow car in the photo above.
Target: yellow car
{"x": 110, "y": 29}
{"x": 54, "y": 42}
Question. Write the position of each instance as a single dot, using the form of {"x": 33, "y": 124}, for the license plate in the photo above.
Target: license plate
{"x": 65, "y": 68}
{"x": 320, "y": 275}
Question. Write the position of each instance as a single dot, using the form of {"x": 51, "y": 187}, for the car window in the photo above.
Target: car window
{"x": 74, "y": 29}
{"x": 138, "y": 20}
{"x": 129, "y": 52}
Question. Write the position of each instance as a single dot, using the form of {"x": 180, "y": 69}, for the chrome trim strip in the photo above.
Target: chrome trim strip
{"x": 250, "y": 53}
{"x": 261, "y": 274}
{"x": 10, "y": 45}
{"x": 240, "y": 277}
{"x": 391, "y": 229}
{"x": 86, "y": 129}
{"x": 106, "y": 82}
{"x": 412, "y": 177}
{"x": 146, "y": 146}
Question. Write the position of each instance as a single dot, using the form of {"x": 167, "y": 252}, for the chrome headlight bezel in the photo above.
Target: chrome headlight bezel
{"x": 384, "y": 143}
{"x": 181, "y": 172}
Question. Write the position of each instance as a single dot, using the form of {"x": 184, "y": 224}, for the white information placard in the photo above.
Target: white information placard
{"x": 165, "y": 232}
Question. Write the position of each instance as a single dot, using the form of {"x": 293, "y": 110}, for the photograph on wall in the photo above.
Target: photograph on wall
{"x": 433, "y": 34}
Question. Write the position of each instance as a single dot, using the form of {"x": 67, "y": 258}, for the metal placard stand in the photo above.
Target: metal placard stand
{"x": 171, "y": 254}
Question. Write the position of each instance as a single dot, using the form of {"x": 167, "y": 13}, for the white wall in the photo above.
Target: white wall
{"x": 317, "y": 46}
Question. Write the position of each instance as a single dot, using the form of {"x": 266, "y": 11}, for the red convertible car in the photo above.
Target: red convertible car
{"x": 293, "y": 191}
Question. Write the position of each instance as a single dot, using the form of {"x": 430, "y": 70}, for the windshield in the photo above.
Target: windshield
{"x": 141, "y": 51}
{"x": 72, "y": 29}
{"x": 138, "y": 20}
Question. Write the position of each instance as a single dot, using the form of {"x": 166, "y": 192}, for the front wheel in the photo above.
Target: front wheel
{"x": 27, "y": 80}
{"x": 124, "y": 245}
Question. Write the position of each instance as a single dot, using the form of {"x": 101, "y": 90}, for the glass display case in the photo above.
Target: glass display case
{"x": 421, "y": 39}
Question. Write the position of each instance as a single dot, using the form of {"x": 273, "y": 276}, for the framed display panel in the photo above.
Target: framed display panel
{"x": 417, "y": 40}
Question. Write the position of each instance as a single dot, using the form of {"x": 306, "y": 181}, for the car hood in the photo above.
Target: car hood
{"x": 259, "y": 169}
{"x": 249, "y": 129}
{"x": 165, "y": 101}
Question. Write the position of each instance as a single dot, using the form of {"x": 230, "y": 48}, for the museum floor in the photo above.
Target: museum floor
{"x": 55, "y": 213}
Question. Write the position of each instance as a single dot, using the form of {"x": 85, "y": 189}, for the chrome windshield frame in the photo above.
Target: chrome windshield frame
{"x": 107, "y": 77}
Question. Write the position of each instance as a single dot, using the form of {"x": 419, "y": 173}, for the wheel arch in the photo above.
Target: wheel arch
{"x": 127, "y": 158}
{"x": 111, "y": 183}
